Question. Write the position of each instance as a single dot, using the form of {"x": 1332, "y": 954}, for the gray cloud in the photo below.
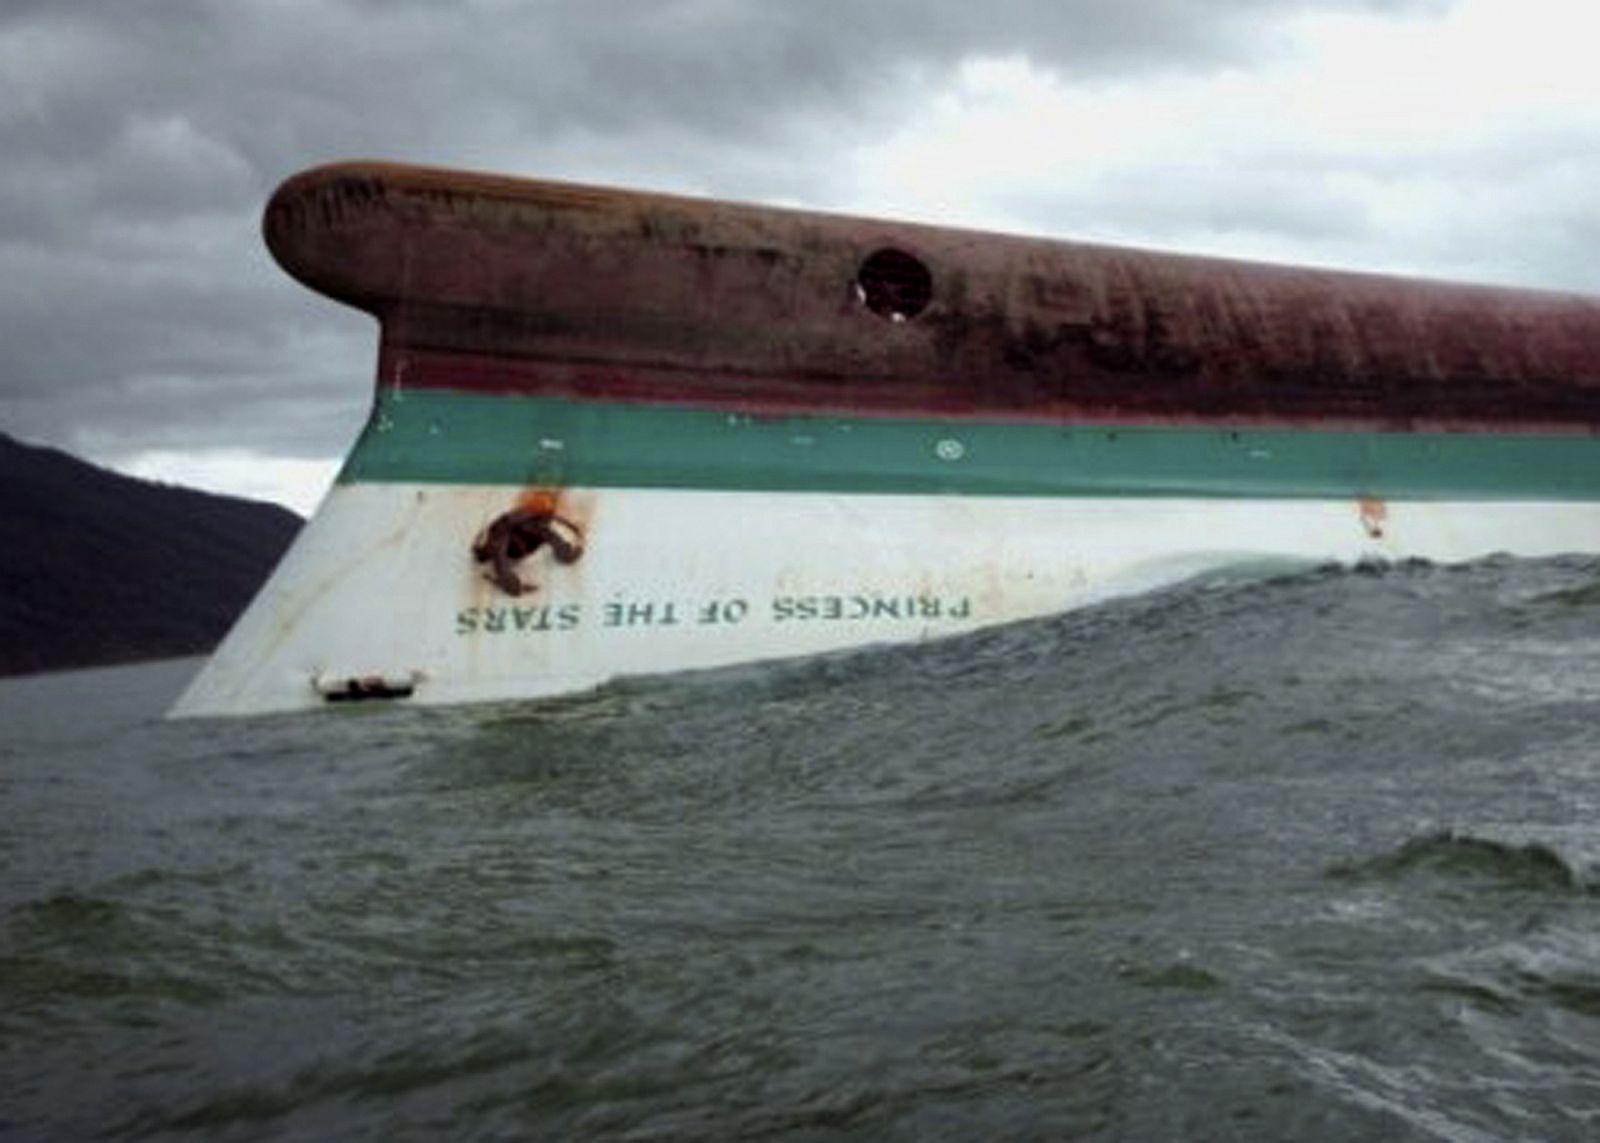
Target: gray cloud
{"x": 275, "y": 82}
{"x": 1514, "y": 207}
{"x": 137, "y": 307}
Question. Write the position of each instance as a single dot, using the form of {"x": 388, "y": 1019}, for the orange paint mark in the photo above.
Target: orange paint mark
{"x": 541, "y": 500}
{"x": 1374, "y": 514}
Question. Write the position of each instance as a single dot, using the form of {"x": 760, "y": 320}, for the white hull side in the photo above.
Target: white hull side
{"x": 382, "y": 584}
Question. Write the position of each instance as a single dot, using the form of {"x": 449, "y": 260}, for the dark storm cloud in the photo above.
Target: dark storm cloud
{"x": 140, "y": 140}
{"x": 281, "y": 80}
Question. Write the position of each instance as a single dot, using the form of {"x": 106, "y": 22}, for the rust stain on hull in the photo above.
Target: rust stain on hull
{"x": 506, "y": 285}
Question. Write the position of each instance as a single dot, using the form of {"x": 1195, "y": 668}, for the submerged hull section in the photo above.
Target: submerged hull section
{"x": 619, "y": 434}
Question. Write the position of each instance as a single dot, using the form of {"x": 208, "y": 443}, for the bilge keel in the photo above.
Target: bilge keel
{"x": 620, "y": 433}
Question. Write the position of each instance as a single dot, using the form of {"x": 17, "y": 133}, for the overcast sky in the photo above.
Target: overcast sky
{"x": 143, "y": 325}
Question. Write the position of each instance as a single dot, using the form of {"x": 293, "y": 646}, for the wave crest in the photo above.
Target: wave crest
{"x": 1458, "y": 855}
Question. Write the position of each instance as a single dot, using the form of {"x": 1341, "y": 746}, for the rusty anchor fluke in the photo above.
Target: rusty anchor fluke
{"x": 515, "y": 535}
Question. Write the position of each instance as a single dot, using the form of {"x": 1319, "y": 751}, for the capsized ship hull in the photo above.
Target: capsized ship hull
{"x": 619, "y": 434}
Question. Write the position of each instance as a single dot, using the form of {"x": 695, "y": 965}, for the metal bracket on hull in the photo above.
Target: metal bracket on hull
{"x": 364, "y": 688}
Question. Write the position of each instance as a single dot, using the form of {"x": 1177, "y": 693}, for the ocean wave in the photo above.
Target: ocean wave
{"x": 1458, "y": 855}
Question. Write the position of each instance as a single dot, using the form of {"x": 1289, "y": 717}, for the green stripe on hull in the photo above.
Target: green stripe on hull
{"x": 441, "y": 436}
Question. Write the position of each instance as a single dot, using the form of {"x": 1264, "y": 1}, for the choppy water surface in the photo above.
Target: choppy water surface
{"x": 1314, "y": 858}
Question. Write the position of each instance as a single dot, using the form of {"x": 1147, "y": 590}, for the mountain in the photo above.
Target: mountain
{"x": 97, "y": 568}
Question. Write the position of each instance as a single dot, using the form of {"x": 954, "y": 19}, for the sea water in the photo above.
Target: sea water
{"x": 1311, "y": 857}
